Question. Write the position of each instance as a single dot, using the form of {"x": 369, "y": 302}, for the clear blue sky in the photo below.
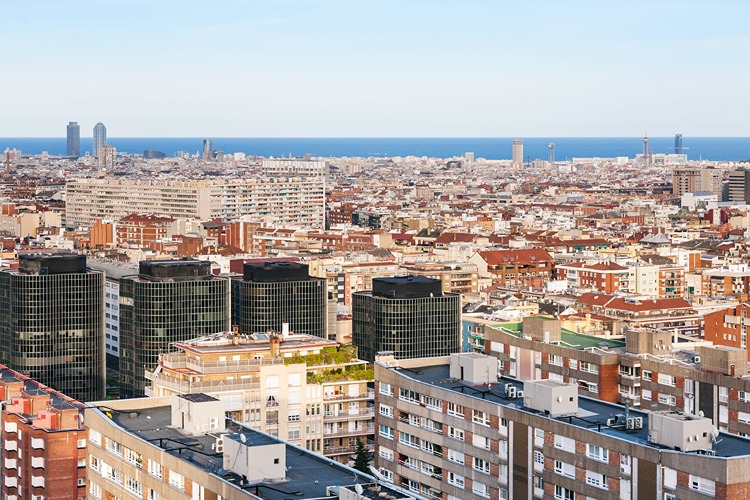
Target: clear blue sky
{"x": 319, "y": 68}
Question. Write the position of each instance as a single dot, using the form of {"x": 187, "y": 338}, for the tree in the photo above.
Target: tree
{"x": 362, "y": 457}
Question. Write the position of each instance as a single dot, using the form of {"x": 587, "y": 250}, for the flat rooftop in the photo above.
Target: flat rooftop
{"x": 568, "y": 338}
{"x": 33, "y": 388}
{"x": 308, "y": 475}
{"x": 592, "y": 413}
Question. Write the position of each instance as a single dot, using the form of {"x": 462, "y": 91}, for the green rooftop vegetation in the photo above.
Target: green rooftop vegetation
{"x": 327, "y": 356}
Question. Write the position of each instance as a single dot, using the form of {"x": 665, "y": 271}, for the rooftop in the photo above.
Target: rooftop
{"x": 307, "y": 476}
{"x": 592, "y": 413}
{"x": 567, "y": 337}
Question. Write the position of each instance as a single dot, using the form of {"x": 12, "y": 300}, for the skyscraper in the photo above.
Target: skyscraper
{"x": 271, "y": 294}
{"x": 409, "y": 315}
{"x": 678, "y": 144}
{"x": 100, "y": 138}
{"x": 52, "y": 323}
{"x": 517, "y": 153}
{"x": 208, "y": 152}
{"x": 169, "y": 301}
{"x": 74, "y": 139}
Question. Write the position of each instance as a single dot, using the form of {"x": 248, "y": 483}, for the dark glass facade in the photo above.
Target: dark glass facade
{"x": 269, "y": 295}
{"x": 170, "y": 301}
{"x": 52, "y": 324}
{"x": 409, "y": 316}
{"x": 74, "y": 139}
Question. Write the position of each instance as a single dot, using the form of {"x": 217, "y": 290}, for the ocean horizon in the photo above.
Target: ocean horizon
{"x": 493, "y": 148}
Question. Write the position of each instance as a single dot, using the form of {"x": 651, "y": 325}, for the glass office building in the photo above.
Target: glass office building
{"x": 270, "y": 294}
{"x": 52, "y": 323}
{"x": 169, "y": 301}
{"x": 408, "y": 315}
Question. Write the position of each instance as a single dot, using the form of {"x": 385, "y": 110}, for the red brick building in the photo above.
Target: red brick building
{"x": 603, "y": 276}
{"x": 528, "y": 266}
{"x": 43, "y": 441}
{"x": 729, "y": 326}
{"x": 142, "y": 229}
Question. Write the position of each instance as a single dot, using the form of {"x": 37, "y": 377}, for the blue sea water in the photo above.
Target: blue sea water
{"x": 707, "y": 148}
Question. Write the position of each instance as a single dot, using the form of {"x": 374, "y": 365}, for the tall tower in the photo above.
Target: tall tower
{"x": 272, "y": 294}
{"x": 100, "y": 138}
{"x": 409, "y": 315}
{"x": 678, "y": 144}
{"x": 517, "y": 153}
{"x": 207, "y": 151}
{"x": 551, "y": 153}
{"x": 52, "y": 323}
{"x": 646, "y": 150}
{"x": 74, "y": 139}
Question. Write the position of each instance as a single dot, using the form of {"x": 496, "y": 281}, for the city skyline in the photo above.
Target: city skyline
{"x": 400, "y": 70}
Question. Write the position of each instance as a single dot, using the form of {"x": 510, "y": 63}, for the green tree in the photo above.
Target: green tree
{"x": 362, "y": 457}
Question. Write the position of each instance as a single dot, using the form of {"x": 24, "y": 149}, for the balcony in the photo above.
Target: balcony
{"x": 181, "y": 362}
{"x": 349, "y": 397}
{"x": 349, "y": 415}
{"x": 629, "y": 380}
{"x": 344, "y": 450}
{"x": 362, "y": 431}
{"x": 213, "y": 386}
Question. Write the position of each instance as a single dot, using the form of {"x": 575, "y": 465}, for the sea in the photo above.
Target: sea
{"x": 497, "y": 148}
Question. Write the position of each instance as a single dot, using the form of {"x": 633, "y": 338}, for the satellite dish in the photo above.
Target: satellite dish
{"x": 358, "y": 488}
{"x": 243, "y": 438}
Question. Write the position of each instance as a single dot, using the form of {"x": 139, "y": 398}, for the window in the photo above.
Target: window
{"x": 743, "y": 417}
{"x": 94, "y": 463}
{"x": 294, "y": 433}
{"x": 538, "y": 437}
{"x": 294, "y": 380}
{"x": 432, "y": 403}
{"x": 132, "y": 457}
{"x": 114, "y": 447}
{"x": 745, "y": 396}
{"x": 666, "y": 399}
{"x": 154, "y": 495}
{"x": 480, "y": 417}
{"x": 596, "y": 479}
{"x": 386, "y": 431}
{"x": 177, "y": 480}
{"x": 155, "y": 469}
{"x": 646, "y": 394}
{"x": 386, "y": 453}
{"x": 455, "y": 480}
{"x": 597, "y": 452}
{"x": 386, "y": 389}
{"x": 665, "y": 379}
{"x": 538, "y": 458}
{"x": 564, "y": 493}
{"x": 409, "y": 396}
{"x": 455, "y": 410}
{"x": 703, "y": 485}
{"x": 456, "y": 433}
{"x": 565, "y": 443}
{"x": 95, "y": 437}
{"x": 456, "y": 456}
{"x": 481, "y": 441}
{"x": 670, "y": 478}
{"x": 133, "y": 486}
{"x": 555, "y": 360}
{"x": 386, "y": 410}
{"x": 585, "y": 366}
{"x": 481, "y": 490}
{"x": 408, "y": 439}
{"x": 646, "y": 374}
{"x": 95, "y": 490}
{"x": 81, "y": 444}
{"x": 481, "y": 465}
{"x": 293, "y": 416}
{"x": 723, "y": 394}
{"x": 565, "y": 468}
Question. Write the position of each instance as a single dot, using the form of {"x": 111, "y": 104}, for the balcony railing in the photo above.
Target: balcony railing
{"x": 349, "y": 415}
{"x": 343, "y": 397}
{"x": 179, "y": 361}
{"x": 184, "y": 386}
{"x": 344, "y": 450}
{"x": 368, "y": 429}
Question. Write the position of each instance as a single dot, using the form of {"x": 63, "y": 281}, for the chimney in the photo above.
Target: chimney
{"x": 275, "y": 344}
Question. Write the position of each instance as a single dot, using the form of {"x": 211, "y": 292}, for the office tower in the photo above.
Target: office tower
{"x": 44, "y": 452}
{"x": 678, "y": 144}
{"x": 517, "y": 158}
{"x": 52, "y": 323}
{"x": 208, "y": 153}
{"x": 319, "y": 400}
{"x": 272, "y": 294}
{"x": 74, "y": 139}
{"x": 289, "y": 200}
{"x": 551, "y": 148}
{"x": 169, "y": 301}
{"x": 739, "y": 186}
{"x": 448, "y": 428}
{"x": 408, "y": 315}
{"x": 100, "y": 138}
{"x": 107, "y": 156}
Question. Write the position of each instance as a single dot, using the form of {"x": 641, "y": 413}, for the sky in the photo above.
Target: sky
{"x": 366, "y": 68}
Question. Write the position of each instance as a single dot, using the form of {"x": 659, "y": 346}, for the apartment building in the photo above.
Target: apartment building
{"x": 728, "y": 327}
{"x": 523, "y": 267}
{"x": 301, "y": 388}
{"x": 457, "y": 277}
{"x": 291, "y": 200}
{"x": 448, "y": 428}
{"x": 43, "y": 441}
{"x": 183, "y": 447}
{"x": 141, "y": 230}
{"x": 605, "y": 277}
{"x": 728, "y": 281}
{"x": 648, "y": 370}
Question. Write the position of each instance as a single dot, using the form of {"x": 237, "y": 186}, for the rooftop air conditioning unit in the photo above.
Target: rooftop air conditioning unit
{"x": 519, "y": 394}
{"x": 218, "y": 446}
{"x": 638, "y": 422}
{"x": 511, "y": 392}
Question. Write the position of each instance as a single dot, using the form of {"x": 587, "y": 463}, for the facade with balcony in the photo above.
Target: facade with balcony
{"x": 301, "y": 388}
